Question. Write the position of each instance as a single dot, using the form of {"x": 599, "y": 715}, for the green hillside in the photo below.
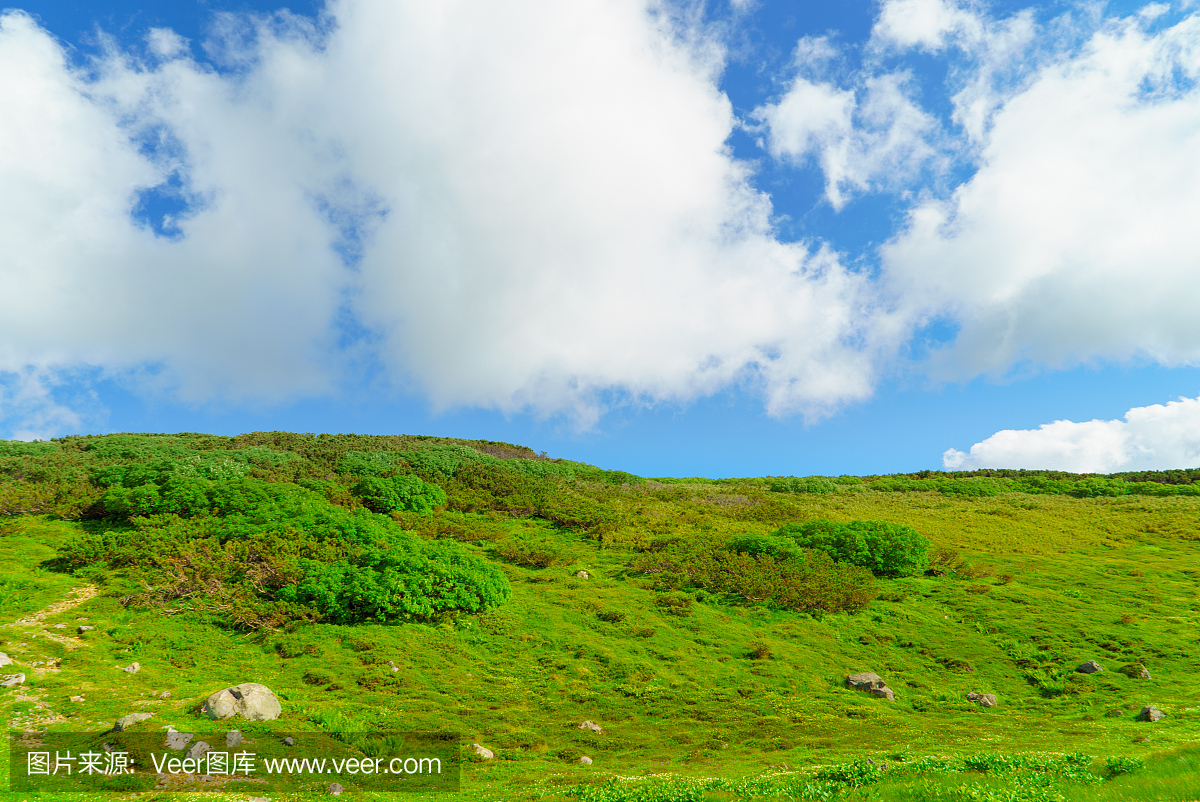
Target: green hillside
{"x": 422, "y": 584}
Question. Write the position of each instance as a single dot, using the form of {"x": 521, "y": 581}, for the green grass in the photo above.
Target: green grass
{"x": 700, "y": 696}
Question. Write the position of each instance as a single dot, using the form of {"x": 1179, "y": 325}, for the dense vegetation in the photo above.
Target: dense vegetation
{"x": 711, "y": 637}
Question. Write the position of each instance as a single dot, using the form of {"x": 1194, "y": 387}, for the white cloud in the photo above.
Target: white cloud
{"x": 926, "y": 24}
{"x": 863, "y": 139}
{"x": 1075, "y": 239}
{"x": 1156, "y": 437}
{"x": 541, "y": 194}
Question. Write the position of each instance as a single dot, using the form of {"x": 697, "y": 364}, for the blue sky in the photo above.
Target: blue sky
{"x": 746, "y": 238}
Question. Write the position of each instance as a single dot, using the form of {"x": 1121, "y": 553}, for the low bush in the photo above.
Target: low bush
{"x": 886, "y": 549}
{"x": 399, "y": 493}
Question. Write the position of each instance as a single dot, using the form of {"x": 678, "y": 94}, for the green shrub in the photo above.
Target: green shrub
{"x": 808, "y": 484}
{"x": 781, "y": 548}
{"x": 399, "y": 493}
{"x": 409, "y": 580}
{"x": 886, "y": 549}
{"x": 1121, "y": 765}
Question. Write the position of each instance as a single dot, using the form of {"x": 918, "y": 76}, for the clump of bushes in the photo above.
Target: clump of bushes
{"x": 399, "y": 494}
{"x": 807, "y": 484}
{"x": 805, "y": 581}
{"x": 885, "y": 549}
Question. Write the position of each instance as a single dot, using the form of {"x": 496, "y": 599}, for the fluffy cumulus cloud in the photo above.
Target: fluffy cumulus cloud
{"x": 535, "y": 206}
{"x": 1156, "y": 437}
{"x": 520, "y": 206}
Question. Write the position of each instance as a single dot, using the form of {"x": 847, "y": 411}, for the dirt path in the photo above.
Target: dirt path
{"x": 73, "y": 599}
{"x": 42, "y": 714}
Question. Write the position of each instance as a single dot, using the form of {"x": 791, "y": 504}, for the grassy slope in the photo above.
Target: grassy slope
{"x": 1106, "y": 579}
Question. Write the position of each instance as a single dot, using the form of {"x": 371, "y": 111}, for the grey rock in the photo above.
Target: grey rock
{"x": 248, "y": 700}
{"x": 60, "y": 626}
{"x": 392, "y": 666}
{"x": 585, "y": 760}
{"x": 12, "y": 680}
{"x": 1144, "y": 673}
{"x": 288, "y": 741}
{"x": 125, "y": 722}
{"x": 132, "y": 668}
{"x": 590, "y": 725}
{"x": 233, "y": 739}
{"x": 178, "y": 740}
{"x": 984, "y": 699}
{"x": 583, "y": 575}
{"x": 334, "y": 789}
{"x": 483, "y": 751}
{"x": 198, "y": 750}
{"x": 5, "y": 660}
{"x": 83, "y": 628}
{"x": 872, "y": 683}
{"x": 1090, "y": 667}
{"x": 1151, "y": 713}
{"x": 165, "y": 695}
{"x": 76, "y": 699}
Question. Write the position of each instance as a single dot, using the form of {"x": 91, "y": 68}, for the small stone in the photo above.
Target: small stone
{"x": 392, "y": 666}
{"x": 198, "y": 750}
{"x": 60, "y": 626}
{"x": 5, "y": 660}
{"x": 165, "y": 695}
{"x": 1151, "y": 713}
{"x": 125, "y": 722}
{"x": 483, "y": 751}
{"x": 583, "y": 575}
{"x": 76, "y": 698}
{"x": 83, "y": 629}
{"x": 233, "y": 738}
{"x": 106, "y": 747}
{"x": 590, "y": 725}
{"x": 1090, "y": 667}
{"x": 334, "y": 789}
{"x": 585, "y": 760}
{"x": 132, "y": 668}
{"x": 178, "y": 740}
{"x": 983, "y": 699}
{"x": 288, "y": 741}
{"x": 12, "y": 680}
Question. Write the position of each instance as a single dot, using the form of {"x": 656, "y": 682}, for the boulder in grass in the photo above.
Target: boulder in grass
{"x": 592, "y": 726}
{"x": 1151, "y": 713}
{"x": 83, "y": 628}
{"x": 125, "y": 722}
{"x": 178, "y": 740}
{"x": 1134, "y": 671}
{"x": 872, "y": 683}
{"x": 233, "y": 739}
{"x": 248, "y": 700}
{"x": 12, "y": 680}
{"x": 585, "y": 760}
{"x": 482, "y": 752}
{"x": 583, "y": 574}
{"x": 982, "y": 699}
{"x": 198, "y": 750}
{"x": 334, "y": 789}
{"x": 1090, "y": 667}
{"x": 132, "y": 668}
{"x": 5, "y": 660}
